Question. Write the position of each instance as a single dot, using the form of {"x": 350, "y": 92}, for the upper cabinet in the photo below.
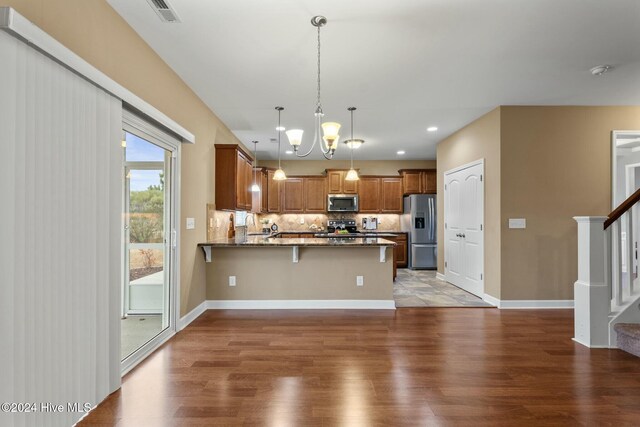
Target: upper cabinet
{"x": 304, "y": 194}
{"x": 274, "y": 193}
{"x": 260, "y": 199}
{"x": 315, "y": 194}
{"x": 391, "y": 195}
{"x": 380, "y": 194}
{"x": 419, "y": 181}
{"x": 293, "y": 195}
{"x": 337, "y": 184}
{"x": 369, "y": 195}
{"x": 234, "y": 177}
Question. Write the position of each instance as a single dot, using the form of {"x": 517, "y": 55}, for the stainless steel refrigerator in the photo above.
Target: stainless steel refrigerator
{"x": 419, "y": 221}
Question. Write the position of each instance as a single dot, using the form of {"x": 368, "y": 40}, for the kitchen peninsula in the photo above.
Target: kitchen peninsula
{"x": 267, "y": 272}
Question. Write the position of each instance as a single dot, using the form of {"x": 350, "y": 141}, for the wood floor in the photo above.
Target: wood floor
{"x": 411, "y": 366}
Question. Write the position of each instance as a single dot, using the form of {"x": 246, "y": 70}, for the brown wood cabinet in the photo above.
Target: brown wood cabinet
{"x": 391, "y": 195}
{"x": 400, "y": 251}
{"x": 293, "y": 195}
{"x": 233, "y": 178}
{"x": 274, "y": 193}
{"x": 315, "y": 194}
{"x": 336, "y": 183}
{"x": 369, "y": 195}
{"x": 419, "y": 181}
{"x": 260, "y": 200}
{"x": 380, "y": 194}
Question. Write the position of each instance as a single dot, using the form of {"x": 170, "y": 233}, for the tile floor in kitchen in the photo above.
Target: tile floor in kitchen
{"x": 421, "y": 288}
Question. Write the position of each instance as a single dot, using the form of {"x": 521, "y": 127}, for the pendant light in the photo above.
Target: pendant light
{"x": 353, "y": 144}
{"x": 255, "y": 187}
{"x": 328, "y": 130}
{"x": 279, "y": 174}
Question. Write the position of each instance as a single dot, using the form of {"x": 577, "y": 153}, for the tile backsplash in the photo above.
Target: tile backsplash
{"x": 218, "y": 221}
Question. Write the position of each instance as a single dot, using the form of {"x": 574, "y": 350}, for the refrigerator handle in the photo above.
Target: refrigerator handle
{"x": 433, "y": 220}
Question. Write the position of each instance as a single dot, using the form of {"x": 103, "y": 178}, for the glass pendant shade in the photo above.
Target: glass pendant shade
{"x": 330, "y": 130}
{"x": 354, "y": 144}
{"x": 279, "y": 175}
{"x": 352, "y": 175}
{"x": 295, "y": 137}
{"x": 255, "y": 188}
{"x": 331, "y": 144}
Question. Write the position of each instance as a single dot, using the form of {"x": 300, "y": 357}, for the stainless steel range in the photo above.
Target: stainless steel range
{"x": 348, "y": 225}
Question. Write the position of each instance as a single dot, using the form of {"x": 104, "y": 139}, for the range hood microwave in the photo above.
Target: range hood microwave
{"x": 342, "y": 203}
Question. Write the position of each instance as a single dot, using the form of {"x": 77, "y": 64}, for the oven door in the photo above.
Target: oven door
{"x": 342, "y": 203}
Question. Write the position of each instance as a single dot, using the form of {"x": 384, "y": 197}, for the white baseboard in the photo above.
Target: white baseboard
{"x": 191, "y": 316}
{"x": 590, "y": 346}
{"x": 440, "y": 276}
{"x": 300, "y": 304}
{"x": 491, "y": 300}
{"x": 533, "y": 303}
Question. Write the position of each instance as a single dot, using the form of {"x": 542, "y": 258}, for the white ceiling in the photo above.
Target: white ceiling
{"x": 405, "y": 64}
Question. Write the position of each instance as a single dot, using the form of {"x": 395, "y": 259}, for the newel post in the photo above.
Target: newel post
{"x": 591, "y": 295}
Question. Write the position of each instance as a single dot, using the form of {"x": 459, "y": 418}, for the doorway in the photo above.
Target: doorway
{"x": 148, "y": 291}
{"x": 463, "y": 227}
{"x": 625, "y": 181}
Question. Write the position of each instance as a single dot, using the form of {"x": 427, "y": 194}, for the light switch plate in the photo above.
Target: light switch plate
{"x": 359, "y": 280}
{"x": 517, "y": 223}
{"x": 232, "y": 280}
{"x": 191, "y": 223}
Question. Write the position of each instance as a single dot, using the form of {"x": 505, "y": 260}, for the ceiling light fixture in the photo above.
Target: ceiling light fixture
{"x": 601, "y": 69}
{"x": 279, "y": 174}
{"x": 288, "y": 152}
{"x": 255, "y": 187}
{"x": 432, "y": 128}
{"x": 328, "y": 130}
{"x": 400, "y": 153}
{"x": 352, "y": 175}
{"x": 280, "y": 128}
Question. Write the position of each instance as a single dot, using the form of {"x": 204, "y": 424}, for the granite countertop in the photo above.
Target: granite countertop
{"x": 323, "y": 234}
{"x": 267, "y": 241}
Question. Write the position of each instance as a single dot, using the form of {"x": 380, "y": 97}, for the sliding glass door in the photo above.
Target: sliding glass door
{"x": 147, "y": 316}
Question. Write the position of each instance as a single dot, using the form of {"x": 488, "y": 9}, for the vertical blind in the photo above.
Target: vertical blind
{"x": 60, "y": 224}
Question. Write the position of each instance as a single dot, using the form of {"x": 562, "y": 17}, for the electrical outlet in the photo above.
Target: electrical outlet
{"x": 359, "y": 280}
{"x": 232, "y": 280}
{"x": 217, "y": 222}
{"x": 191, "y": 223}
{"x": 211, "y": 222}
{"x": 301, "y": 220}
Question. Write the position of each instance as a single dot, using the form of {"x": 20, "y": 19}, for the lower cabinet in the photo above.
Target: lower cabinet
{"x": 400, "y": 251}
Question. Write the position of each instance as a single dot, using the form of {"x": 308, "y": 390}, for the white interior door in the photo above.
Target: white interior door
{"x": 464, "y": 230}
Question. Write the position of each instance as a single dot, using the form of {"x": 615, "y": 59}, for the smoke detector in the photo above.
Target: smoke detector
{"x": 601, "y": 69}
{"x": 165, "y": 11}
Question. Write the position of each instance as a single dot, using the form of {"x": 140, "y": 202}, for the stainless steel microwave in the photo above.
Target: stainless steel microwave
{"x": 342, "y": 203}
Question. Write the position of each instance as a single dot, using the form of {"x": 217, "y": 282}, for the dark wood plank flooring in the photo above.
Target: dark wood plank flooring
{"x": 435, "y": 366}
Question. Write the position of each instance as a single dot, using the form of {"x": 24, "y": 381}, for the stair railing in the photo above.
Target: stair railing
{"x": 605, "y": 251}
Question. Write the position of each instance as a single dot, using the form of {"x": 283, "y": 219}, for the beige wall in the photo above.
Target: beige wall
{"x": 478, "y": 140}
{"x": 553, "y": 164}
{"x": 556, "y": 164}
{"x": 93, "y": 30}
{"x": 324, "y": 273}
{"x": 366, "y": 167}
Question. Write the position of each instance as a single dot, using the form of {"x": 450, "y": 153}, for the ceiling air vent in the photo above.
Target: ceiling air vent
{"x": 164, "y": 11}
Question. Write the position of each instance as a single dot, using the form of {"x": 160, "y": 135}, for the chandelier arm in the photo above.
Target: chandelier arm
{"x": 316, "y": 139}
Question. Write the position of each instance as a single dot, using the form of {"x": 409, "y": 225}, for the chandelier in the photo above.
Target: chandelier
{"x": 328, "y": 130}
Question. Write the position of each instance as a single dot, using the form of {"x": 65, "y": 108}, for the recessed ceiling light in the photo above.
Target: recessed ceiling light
{"x": 432, "y": 128}
{"x": 289, "y": 152}
{"x": 601, "y": 69}
{"x": 280, "y": 128}
{"x": 400, "y": 153}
